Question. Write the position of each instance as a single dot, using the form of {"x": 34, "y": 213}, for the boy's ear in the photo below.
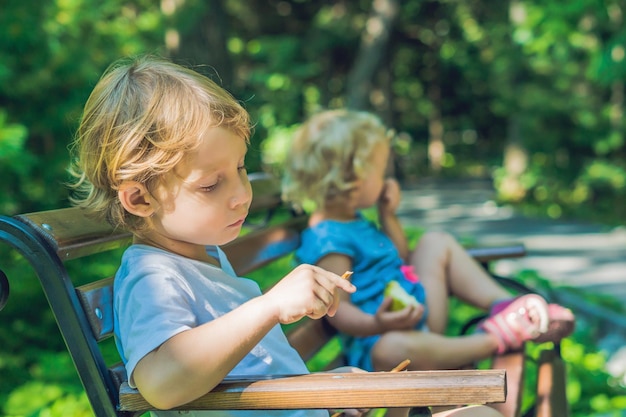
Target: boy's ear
{"x": 136, "y": 199}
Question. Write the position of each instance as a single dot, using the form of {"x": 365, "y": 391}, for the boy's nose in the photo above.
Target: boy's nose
{"x": 243, "y": 194}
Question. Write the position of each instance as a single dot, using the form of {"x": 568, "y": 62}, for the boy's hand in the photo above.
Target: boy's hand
{"x": 389, "y": 199}
{"x": 307, "y": 291}
{"x": 404, "y": 319}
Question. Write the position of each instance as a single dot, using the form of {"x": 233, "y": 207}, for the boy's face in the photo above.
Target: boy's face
{"x": 206, "y": 199}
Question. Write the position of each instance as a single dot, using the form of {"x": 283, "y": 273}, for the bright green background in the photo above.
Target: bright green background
{"x": 538, "y": 81}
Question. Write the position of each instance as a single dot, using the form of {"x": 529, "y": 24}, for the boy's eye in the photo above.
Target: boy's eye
{"x": 209, "y": 188}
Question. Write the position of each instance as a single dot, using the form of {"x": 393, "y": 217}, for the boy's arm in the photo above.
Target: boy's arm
{"x": 387, "y": 206}
{"x": 194, "y": 361}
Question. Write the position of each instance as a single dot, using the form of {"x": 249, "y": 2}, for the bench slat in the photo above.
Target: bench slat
{"x": 345, "y": 390}
{"x": 75, "y": 234}
{"x": 97, "y": 301}
{"x": 484, "y": 255}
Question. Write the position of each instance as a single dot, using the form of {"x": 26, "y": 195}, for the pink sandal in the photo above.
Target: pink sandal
{"x": 524, "y": 319}
{"x": 562, "y": 322}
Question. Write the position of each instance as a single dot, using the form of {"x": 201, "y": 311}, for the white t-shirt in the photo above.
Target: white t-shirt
{"x": 158, "y": 294}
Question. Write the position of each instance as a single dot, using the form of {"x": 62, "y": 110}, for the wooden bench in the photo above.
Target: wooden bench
{"x": 84, "y": 314}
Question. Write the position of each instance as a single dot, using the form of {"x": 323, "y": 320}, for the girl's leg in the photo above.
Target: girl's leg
{"x": 428, "y": 350}
{"x": 445, "y": 268}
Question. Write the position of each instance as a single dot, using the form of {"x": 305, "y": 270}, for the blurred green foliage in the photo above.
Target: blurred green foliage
{"x": 544, "y": 79}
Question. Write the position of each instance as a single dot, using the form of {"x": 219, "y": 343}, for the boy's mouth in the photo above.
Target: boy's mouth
{"x": 238, "y": 222}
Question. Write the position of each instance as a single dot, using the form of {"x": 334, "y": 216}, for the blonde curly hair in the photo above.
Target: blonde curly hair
{"x": 141, "y": 119}
{"x": 328, "y": 154}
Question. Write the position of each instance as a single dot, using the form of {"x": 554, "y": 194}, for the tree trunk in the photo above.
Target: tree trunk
{"x": 205, "y": 44}
{"x": 617, "y": 87}
{"x": 436, "y": 146}
{"x": 374, "y": 42}
{"x": 515, "y": 161}
{"x": 515, "y": 158}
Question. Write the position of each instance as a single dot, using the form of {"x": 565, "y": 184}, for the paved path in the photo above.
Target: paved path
{"x": 567, "y": 253}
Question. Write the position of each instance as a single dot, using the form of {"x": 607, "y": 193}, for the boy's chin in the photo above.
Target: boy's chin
{"x": 228, "y": 239}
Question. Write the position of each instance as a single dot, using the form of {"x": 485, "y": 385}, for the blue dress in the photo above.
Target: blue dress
{"x": 375, "y": 260}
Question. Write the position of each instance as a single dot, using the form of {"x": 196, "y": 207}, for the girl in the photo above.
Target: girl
{"x": 337, "y": 163}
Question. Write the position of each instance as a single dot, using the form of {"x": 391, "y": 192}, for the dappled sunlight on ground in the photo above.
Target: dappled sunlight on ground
{"x": 566, "y": 253}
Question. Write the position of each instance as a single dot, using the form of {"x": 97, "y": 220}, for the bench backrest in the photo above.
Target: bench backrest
{"x": 85, "y": 313}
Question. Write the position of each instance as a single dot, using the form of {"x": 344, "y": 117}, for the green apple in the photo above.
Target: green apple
{"x": 400, "y": 297}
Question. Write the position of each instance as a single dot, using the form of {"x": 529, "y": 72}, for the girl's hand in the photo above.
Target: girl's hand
{"x": 389, "y": 199}
{"x": 307, "y": 291}
{"x": 404, "y": 319}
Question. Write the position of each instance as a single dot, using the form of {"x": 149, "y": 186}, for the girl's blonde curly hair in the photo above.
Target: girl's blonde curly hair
{"x": 142, "y": 118}
{"x": 329, "y": 153}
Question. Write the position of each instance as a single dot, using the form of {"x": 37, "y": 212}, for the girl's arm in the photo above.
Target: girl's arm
{"x": 193, "y": 362}
{"x": 387, "y": 206}
{"x": 351, "y": 320}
